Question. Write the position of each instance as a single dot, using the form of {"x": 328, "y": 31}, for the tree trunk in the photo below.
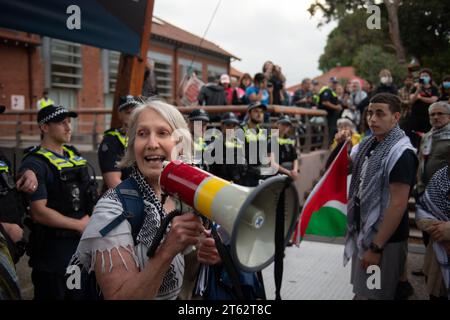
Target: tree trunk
{"x": 394, "y": 30}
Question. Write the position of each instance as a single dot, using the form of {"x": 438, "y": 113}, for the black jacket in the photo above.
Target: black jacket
{"x": 212, "y": 95}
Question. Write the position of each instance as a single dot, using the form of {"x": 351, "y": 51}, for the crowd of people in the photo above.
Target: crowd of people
{"x": 400, "y": 147}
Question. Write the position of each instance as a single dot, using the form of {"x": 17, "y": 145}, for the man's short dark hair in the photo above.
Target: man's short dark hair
{"x": 259, "y": 78}
{"x": 426, "y": 70}
{"x": 390, "y": 99}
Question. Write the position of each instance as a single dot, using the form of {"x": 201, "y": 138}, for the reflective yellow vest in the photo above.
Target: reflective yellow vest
{"x": 4, "y": 167}
{"x": 73, "y": 161}
{"x": 285, "y": 141}
{"x": 42, "y": 103}
{"x": 200, "y": 144}
{"x": 119, "y": 135}
{"x": 326, "y": 88}
{"x": 251, "y": 135}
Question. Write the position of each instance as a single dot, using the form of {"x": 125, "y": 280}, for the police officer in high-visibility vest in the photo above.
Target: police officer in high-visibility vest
{"x": 198, "y": 122}
{"x": 283, "y": 149}
{"x": 228, "y": 151}
{"x": 315, "y": 91}
{"x": 12, "y": 210}
{"x": 328, "y": 101}
{"x": 61, "y": 205}
{"x": 113, "y": 146}
{"x": 255, "y": 137}
{"x": 45, "y": 101}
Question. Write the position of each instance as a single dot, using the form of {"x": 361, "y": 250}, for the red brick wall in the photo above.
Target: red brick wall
{"x": 15, "y": 61}
{"x": 91, "y": 95}
{"x": 14, "y": 80}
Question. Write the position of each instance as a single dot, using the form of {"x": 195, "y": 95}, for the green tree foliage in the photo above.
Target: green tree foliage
{"x": 424, "y": 32}
{"x": 370, "y": 59}
{"x": 347, "y": 38}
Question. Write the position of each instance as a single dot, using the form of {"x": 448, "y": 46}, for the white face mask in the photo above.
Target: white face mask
{"x": 385, "y": 80}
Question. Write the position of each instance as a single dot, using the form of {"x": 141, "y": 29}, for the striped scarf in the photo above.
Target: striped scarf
{"x": 366, "y": 176}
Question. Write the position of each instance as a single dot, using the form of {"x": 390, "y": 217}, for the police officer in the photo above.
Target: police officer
{"x": 229, "y": 151}
{"x": 198, "y": 121}
{"x": 255, "y": 138}
{"x": 11, "y": 214}
{"x": 328, "y": 101}
{"x": 61, "y": 205}
{"x": 113, "y": 146}
{"x": 285, "y": 157}
{"x": 45, "y": 101}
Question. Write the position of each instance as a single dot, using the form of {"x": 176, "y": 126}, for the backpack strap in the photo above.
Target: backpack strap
{"x": 133, "y": 208}
{"x": 228, "y": 263}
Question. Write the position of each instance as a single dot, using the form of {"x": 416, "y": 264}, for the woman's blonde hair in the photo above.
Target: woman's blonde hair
{"x": 176, "y": 122}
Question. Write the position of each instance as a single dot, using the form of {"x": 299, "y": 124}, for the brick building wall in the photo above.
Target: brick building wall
{"x": 23, "y": 73}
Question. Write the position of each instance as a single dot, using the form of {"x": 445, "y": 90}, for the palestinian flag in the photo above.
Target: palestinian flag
{"x": 325, "y": 210}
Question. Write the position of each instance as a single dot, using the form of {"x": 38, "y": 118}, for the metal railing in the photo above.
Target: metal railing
{"x": 311, "y": 127}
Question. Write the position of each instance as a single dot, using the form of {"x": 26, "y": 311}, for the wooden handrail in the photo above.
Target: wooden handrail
{"x": 311, "y": 139}
{"x": 271, "y": 108}
{"x": 79, "y": 111}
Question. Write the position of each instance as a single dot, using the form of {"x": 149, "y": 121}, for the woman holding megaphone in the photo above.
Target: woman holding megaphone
{"x": 114, "y": 245}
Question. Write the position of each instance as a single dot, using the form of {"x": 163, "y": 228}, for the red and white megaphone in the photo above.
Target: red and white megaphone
{"x": 247, "y": 214}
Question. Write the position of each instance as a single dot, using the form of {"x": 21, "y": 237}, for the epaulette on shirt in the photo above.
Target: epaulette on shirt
{"x": 110, "y": 130}
{"x": 31, "y": 150}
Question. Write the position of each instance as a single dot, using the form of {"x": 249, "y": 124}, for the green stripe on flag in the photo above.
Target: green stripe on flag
{"x": 327, "y": 222}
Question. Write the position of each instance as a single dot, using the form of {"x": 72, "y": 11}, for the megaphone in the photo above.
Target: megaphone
{"x": 248, "y": 215}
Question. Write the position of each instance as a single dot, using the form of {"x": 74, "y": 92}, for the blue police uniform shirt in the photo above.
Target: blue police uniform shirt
{"x": 44, "y": 174}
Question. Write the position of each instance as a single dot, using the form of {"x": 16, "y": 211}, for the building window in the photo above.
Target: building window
{"x": 162, "y": 64}
{"x": 113, "y": 67}
{"x": 214, "y": 72}
{"x": 187, "y": 67}
{"x": 66, "y": 70}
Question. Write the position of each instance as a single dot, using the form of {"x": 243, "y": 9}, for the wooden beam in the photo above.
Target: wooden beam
{"x": 270, "y": 108}
{"x": 130, "y": 74}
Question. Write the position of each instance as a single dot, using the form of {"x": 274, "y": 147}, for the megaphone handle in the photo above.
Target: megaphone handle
{"x": 161, "y": 231}
{"x": 228, "y": 264}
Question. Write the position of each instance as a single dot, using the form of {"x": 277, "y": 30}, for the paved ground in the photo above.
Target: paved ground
{"x": 314, "y": 271}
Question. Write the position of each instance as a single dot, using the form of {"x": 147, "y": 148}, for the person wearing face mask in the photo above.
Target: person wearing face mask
{"x": 445, "y": 89}
{"x": 423, "y": 94}
{"x": 386, "y": 83}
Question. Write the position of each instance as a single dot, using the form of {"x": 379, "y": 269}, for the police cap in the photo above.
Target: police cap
{"x": 257, "y": 104}
{"x": 128, "y": 101}
{"x": 54, "y": 113}
{"x": 229, "y": 118}
{"x": 199, "y": 115}
{"x": 284, "y": 120}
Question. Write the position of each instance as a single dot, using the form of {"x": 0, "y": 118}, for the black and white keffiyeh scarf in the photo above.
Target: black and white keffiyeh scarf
{"x": 368, "y": 185}
{"x": 435, "y": 205}
{"x": 435, "y": 200}
{"x": 433, "y": 136}
{"x": 154, "y": 211}
{"x": 367, "y": 174}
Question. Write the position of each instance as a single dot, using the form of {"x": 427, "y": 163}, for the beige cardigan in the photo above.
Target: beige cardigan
{"x": 435, "y": 284}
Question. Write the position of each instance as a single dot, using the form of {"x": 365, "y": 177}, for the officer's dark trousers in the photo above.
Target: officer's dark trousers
{"x": 47, "y": 285}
